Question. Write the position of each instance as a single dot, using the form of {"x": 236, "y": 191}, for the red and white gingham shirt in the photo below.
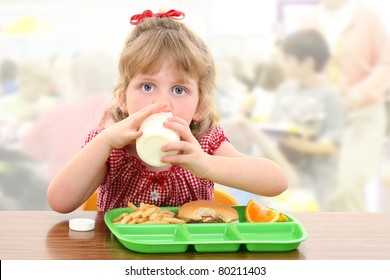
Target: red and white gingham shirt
{"x": 128, "y": 180}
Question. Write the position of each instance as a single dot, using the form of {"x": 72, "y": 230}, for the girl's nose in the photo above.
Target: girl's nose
{"x": 162, "y": 96}
{"x": 163, "y": 101}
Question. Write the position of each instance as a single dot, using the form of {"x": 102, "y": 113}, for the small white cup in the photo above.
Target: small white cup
{"x": 154, "y": 136}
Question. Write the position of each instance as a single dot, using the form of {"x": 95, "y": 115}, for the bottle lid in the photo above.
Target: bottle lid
{"x": 81, "y": 224}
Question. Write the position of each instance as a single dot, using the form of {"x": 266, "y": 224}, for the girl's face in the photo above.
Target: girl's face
{"x": 182, "y": 95}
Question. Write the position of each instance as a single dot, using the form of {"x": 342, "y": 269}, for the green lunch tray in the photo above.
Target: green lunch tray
{"x": 211, "y": 237}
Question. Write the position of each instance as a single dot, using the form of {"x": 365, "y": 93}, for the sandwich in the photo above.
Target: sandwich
{"x": 207, "y": 211}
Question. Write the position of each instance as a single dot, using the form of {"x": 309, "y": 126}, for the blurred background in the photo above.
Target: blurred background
{"x": 58, "y": 66}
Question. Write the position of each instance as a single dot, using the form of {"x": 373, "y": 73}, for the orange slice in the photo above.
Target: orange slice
{"x": 224, "y": 197}
{"x": 255, "y": 213}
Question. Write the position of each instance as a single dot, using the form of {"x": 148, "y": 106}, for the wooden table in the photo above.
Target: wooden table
{"x": 45, "y": 235}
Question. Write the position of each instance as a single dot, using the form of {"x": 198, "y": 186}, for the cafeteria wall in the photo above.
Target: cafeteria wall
{"x": 54, "y": 36}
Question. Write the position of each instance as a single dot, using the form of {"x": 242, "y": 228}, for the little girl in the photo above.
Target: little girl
{"x": 164, "y": 67}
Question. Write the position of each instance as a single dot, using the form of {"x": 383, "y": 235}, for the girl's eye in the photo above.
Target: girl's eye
{"x": 179, "y": 90}
{"x": 147, "y": 87}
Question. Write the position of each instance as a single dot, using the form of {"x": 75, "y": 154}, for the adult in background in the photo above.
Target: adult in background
{"x": 360, "y": 67}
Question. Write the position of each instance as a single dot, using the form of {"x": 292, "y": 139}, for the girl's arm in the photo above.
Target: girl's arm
{"x": 82, "y": 175}
{"x": 252, "y": 174}
{"x": 268, "y": 147}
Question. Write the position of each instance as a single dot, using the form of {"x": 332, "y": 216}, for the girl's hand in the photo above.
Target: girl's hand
{"x": 191, "y": 156}
{"x": 127, "y": 131}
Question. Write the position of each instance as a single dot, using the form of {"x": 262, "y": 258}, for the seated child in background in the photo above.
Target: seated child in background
{"x": 308, "y": 101}
{"x": 164, "y": 67}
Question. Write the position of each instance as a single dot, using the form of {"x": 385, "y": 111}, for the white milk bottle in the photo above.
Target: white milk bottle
{"x": 154, "y": 136}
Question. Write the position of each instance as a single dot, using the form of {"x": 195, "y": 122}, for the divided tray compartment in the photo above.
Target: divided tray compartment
{"x": 152, "y": 238}
{"x": 212, "y": 237}
{"x": 284, "y": 236}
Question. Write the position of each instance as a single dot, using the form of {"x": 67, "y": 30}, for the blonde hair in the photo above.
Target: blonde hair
{"x": 149, "y": 45}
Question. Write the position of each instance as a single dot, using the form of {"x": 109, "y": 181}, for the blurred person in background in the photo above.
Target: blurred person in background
{"x": 57, "y": 135}
{"x": 20, "y": 109}
{"x": 254, "y": 99}
{"x": 22, "y": 187}
{"x": 308, "y": 102}
{"x": 253, "y": 107}
{"x": 360, "y": 67}
{"x": 267, "y": 76}
{"x": 8, "y": 77}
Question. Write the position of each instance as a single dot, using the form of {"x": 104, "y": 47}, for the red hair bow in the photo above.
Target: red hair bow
{"x": 134, "y": 20}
